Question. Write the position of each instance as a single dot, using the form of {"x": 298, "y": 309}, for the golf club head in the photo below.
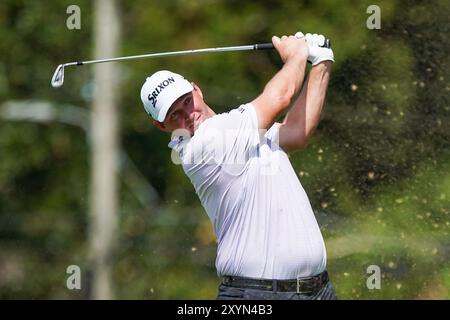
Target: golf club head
{"x": 58, "y": 77}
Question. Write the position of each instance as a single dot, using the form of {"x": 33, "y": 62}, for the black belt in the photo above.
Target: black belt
{"x": 301, "y": 285}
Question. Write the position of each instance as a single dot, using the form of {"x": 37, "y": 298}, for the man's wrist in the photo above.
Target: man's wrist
{"x": 299, "y": 58}
{"x": 324, "y": 65}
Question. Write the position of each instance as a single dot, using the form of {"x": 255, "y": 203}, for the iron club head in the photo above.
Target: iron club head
{"x": 58, "y": 77}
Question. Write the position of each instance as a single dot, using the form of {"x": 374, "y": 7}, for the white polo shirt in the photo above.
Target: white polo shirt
{"x": 260, "y": 212}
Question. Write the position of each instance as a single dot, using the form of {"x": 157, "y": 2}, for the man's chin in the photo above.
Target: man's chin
{"x": 191, "y": 130}
{"x": 183, "y": 132}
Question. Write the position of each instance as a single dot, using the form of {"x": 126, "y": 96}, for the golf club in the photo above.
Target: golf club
{"x": 58, "y": 76}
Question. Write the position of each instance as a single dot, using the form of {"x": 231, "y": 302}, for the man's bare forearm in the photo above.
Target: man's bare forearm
{"x": 283, "y": 87}
{"x": 304, "y": 115}
{"x": 280, "y": 91}
{"x": 288, "y": 81}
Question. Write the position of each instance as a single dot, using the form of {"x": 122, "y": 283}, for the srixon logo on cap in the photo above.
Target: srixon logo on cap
{"x": 152, "y": 97}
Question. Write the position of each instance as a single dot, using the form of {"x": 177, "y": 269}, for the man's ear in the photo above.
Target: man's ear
{"x": 160, "y": 126}
{"x": 197, "y": 88}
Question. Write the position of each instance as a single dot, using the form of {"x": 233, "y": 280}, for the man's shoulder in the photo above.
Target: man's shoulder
{"x": 230, "y": 118}
{"x": 216, "y": 127}
{"x": 243, "y": 109}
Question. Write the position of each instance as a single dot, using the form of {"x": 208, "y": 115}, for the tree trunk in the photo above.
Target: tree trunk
{"x": 105, "y": 151}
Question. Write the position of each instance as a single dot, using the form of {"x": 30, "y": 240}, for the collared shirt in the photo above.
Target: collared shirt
{"x": 261, "y": 214}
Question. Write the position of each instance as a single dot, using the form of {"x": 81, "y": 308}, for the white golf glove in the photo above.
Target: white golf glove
{"x": 317, "y": 53}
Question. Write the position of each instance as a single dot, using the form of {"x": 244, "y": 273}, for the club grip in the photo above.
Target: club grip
{"x": 263, "y": 46}
{"x": 268, "y": 46}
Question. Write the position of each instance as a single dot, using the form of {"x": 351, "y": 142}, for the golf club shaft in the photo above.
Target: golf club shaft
{"x": 58, "y": 76}
{"x": 259, "y": 46}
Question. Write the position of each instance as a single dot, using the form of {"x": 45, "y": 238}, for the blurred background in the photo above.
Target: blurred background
{"x": 86, "y": 180}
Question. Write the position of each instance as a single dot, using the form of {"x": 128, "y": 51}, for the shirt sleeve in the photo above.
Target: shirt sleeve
{"x": 272, "y": 136}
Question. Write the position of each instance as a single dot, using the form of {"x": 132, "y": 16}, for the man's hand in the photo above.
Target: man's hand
{"x": 290, "y": 47}
{"x": 317, "y": 53}
{"x": 284, "y": 86}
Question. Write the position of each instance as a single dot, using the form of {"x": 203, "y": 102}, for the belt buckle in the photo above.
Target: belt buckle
{"x": 298, "y": 285}
{"x": 299, "y": 279}
{"x": 274, "y": 285}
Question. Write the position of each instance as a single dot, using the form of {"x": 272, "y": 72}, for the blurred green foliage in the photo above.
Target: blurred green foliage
{"x": 377, "y": 170}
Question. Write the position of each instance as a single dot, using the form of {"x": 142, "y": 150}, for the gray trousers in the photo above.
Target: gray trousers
{"x": 232, "y": 293}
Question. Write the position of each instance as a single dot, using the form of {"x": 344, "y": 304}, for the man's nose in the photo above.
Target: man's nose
{"x": 189, "y": 117}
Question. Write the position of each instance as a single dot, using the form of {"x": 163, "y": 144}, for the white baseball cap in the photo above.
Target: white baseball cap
{"x": 161, "y": 90}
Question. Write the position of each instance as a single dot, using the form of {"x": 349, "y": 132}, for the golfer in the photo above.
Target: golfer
{"x": 269, "y": 243}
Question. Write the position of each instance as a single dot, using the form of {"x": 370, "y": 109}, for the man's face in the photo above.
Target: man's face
{"x": 187, "y": 112}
